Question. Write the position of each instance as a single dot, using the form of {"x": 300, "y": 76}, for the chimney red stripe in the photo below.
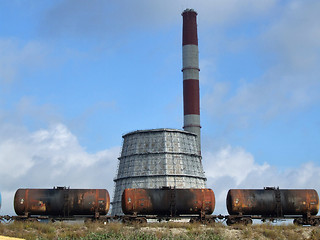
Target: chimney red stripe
{"x": 191, "y": 96}
{"x": 189, "y": 35}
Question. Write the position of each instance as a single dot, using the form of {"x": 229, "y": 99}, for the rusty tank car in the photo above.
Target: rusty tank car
{"x": 270, "y": 202}
{"x": 61, "y": 202}
{"x": 168, "y": 202}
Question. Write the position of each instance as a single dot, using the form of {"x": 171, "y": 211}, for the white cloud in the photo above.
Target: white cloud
{"x": 14, "y": 158}
{"x": 263, "y": 99}
{"x": 17, "y": 58}
{"x": 233, "y": 167}
{"x": 231, "y": 162}
{"x": 101, "y": 20}
{"x": 51, "y": 157}
{"x": 233, "y": 11}
{"x": 294, "y": 38}
{"x": 288, "y": 53}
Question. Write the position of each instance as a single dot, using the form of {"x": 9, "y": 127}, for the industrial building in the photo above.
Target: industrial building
{"x": 167, "y": 157}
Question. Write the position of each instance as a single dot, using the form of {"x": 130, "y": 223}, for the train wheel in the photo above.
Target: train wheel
{"x": 230, "y": 222}
{"x": 210, "y": 220}
{"x": 314, "y": 222}
{"x": 193, "y": 220}
{"x": 298, "y": 221}
{"x": 141, "y": 220}
{"x": 246, "y": 221}
{"x": 125, "y": 220}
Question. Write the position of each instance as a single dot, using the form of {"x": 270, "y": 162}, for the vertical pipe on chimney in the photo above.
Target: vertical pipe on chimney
{"x": 190, "y": 69}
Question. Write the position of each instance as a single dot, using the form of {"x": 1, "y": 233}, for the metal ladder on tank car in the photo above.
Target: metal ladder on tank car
{"x": 173, "y": 209}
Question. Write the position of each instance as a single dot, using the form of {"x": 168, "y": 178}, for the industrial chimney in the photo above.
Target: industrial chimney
{"x": 190, "y": 69}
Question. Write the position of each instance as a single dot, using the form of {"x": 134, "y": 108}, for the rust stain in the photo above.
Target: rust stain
{"x": 61, "y": 202}
{"x": 272, "y": 202}
{"x": 167, "y": 201}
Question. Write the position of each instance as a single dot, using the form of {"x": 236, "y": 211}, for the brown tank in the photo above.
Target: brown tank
{"x": 273, "y": 202}
{"x": 61, "y": 202}
{"x": 167, "y": 201}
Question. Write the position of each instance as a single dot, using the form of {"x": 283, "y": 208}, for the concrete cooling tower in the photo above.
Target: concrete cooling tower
{"x": 157, "y": 158}
{"x": 167, "y": 157}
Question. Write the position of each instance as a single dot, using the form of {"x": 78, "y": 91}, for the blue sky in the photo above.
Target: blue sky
{"x": 76, "y": 75}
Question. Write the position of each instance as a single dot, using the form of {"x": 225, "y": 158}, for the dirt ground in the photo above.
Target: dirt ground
{"x": 170, "y": 230}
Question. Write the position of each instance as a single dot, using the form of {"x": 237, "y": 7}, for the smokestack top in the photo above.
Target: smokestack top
{"x": 189, "y": 10}
{"x": 189, "y": 35}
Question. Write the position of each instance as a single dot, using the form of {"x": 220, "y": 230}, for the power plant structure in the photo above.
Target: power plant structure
{"x": 167, "y": 157}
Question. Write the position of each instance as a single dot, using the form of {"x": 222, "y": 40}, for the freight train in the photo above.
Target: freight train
{"x": 302, "y": 205}
{"x": 61, "y": 202}
{"x": 243, "y": 205}
{"x": 140, "y": 204}
{"x": 167, "y": 203}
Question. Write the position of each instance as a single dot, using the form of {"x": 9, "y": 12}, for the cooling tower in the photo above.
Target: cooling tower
{"x": 157, "y": 158}
{"x": 167, "y": 157}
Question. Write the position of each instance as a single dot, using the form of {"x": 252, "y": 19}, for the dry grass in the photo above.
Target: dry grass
{"x": 170, "y": 230}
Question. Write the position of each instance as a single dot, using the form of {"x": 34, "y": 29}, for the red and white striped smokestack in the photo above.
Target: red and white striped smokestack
{"x": 190, "y": 69}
